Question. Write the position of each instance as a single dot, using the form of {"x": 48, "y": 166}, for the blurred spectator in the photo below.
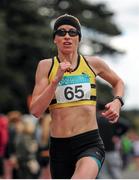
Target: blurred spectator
{"x": 110, "y": 134}
{"x": 136, "y": 150}
{"x": 127, "y": 148}
{"x": 3, "y": 142}
{"x": 19, "y": 127}
{"x": 25, "y": 158}
{"x": 130, "y": 149}
{"x": 13, "y": 118}
{"x": 42, "y": 136}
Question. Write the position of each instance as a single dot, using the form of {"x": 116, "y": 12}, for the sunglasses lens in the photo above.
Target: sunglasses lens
{"x": 61, "y": 32}
{"x": 73, "y": 33}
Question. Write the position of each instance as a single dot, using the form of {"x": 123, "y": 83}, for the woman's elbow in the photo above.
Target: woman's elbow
{"x": 34, "y": 111}
{"x": 122, "y": 83}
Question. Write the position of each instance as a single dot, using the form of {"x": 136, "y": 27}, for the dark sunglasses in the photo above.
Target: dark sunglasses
{"x": 63, "y": 32}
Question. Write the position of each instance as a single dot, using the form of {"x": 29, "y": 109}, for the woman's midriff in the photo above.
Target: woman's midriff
{"x": 70, "y": 121}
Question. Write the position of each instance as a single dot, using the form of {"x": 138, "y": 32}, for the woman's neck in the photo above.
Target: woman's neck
{"x": 70, "y": 57}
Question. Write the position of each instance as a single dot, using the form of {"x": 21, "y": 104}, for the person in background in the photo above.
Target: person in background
{"x": 25, "y": 157}
{"x": 14, "y": 118}
{"x": 42, "y": 136}
{"x": 66, "y": 84}
{"x": 136, "y": 150}
{"x": 127, "y": 148}
{"x": 3, "y": 142}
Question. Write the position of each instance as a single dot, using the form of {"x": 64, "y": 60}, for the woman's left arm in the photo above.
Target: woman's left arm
{"x": 113, "y": 108}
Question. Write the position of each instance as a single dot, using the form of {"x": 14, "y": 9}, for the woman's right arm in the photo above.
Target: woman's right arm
{"x": 43, "y": 91}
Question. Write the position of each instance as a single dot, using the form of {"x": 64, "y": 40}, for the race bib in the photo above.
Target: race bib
{"x": 73, "y": 88}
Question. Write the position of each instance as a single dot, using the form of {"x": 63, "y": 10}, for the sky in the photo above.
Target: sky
{"x": 126, "y": 66}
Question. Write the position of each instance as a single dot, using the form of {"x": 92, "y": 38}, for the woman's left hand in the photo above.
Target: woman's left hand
{"x": 112, "y": 111}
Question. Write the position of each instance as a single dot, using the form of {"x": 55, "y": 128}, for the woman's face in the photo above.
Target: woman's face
{"x": 67, "y": 42}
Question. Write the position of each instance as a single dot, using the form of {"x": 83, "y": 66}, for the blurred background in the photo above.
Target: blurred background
{"x": 110, "y": 30}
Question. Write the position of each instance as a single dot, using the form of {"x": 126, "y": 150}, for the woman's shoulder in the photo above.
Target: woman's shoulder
{"x": 43, "y": 62}
{"x": 94, "y": 59}
{"x": 95, "y": 62}
{"x": 44, "y": 66}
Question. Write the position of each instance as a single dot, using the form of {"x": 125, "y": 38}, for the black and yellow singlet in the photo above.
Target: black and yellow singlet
{"x": 76, "y": 88}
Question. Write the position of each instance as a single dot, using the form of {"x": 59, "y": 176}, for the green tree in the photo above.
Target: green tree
{"x": 25, "y": 45}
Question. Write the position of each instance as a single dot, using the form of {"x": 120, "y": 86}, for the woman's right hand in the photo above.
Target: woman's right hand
{"x": 63, "y": 67}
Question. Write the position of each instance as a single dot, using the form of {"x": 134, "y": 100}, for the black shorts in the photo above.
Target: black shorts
{"x": 65, "y": 152}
